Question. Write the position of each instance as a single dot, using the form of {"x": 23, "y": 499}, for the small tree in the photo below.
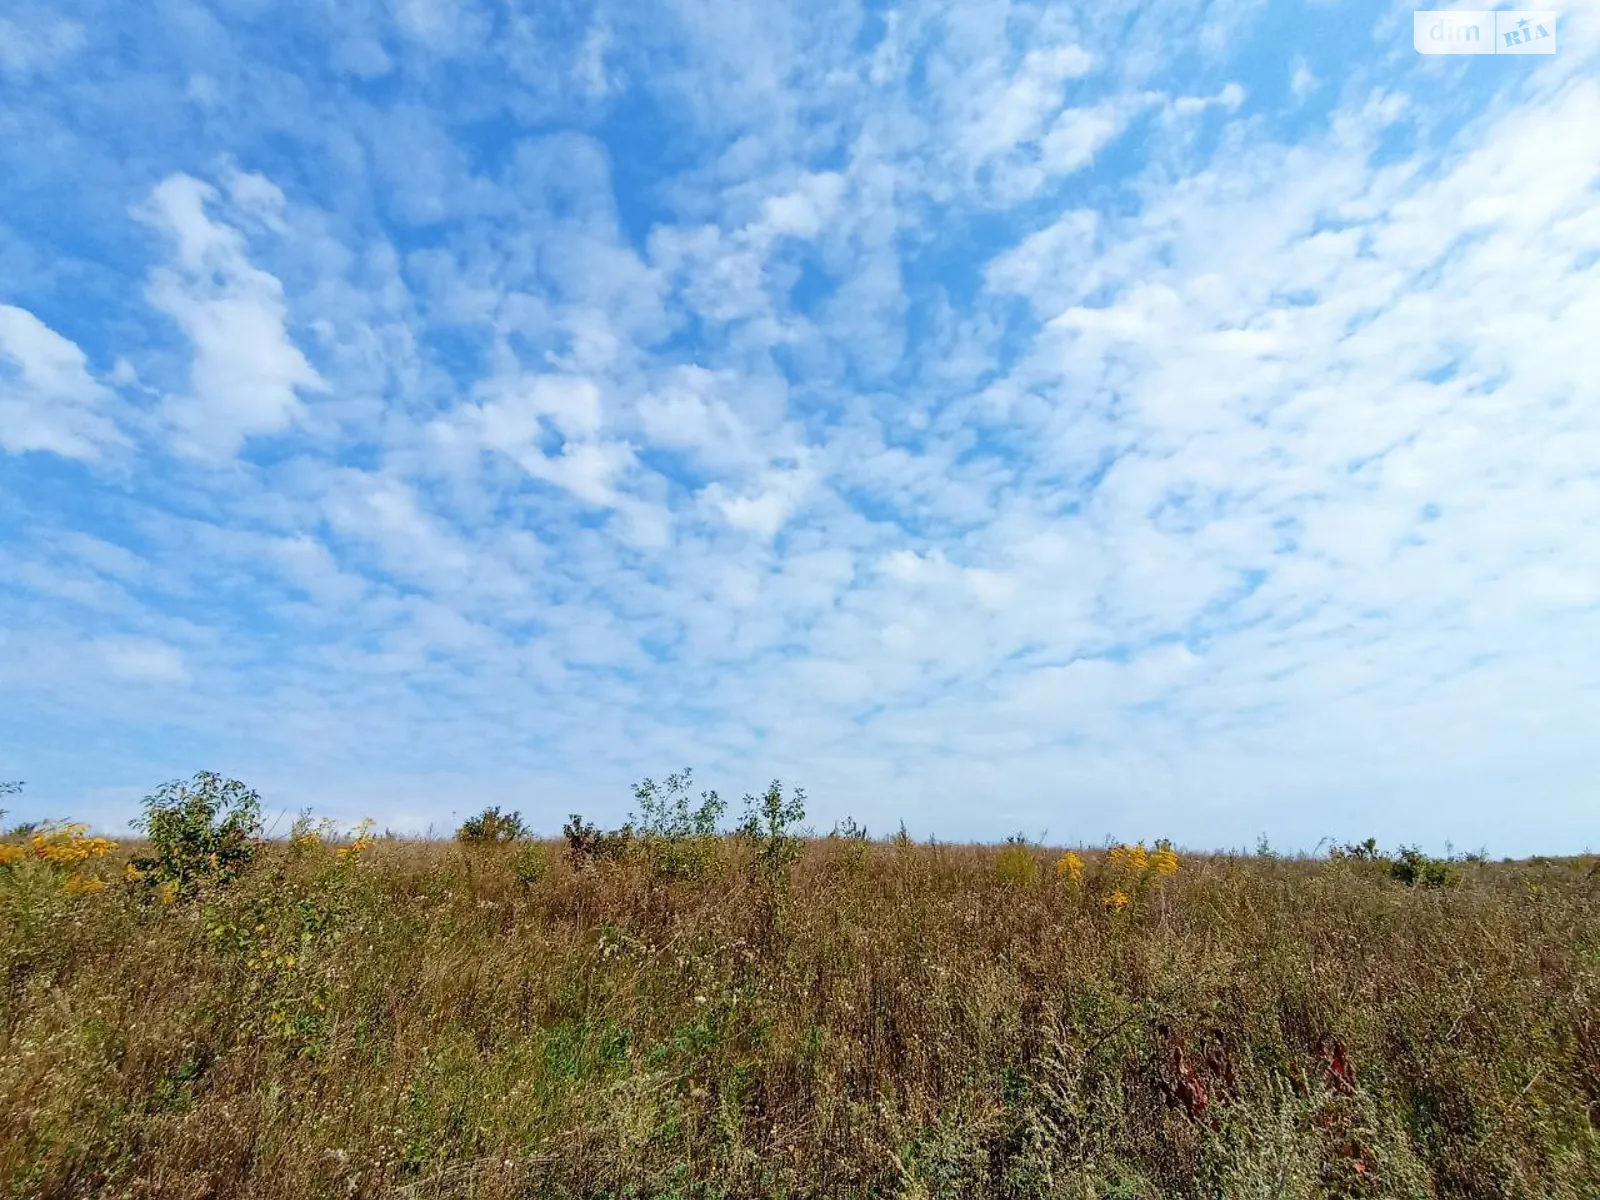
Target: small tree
{"x": 769, "y": 822}
{"x": 204, "y": 831}
{"x": 491, "y": 827}
{"x": 679, "y": 840}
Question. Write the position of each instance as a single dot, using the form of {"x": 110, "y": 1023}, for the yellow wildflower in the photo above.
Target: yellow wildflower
{"x": 1128, "y": 858}
{"x": 1118, "y": 900}
{"x": 10, "y": 853}
{"x": 83, "y": 885}
{"x": 1069, "y": 866}
{"x": 360, "y": 846}
{"x": 167, "y": 892}
{"x": 132, "y": 873}
{"x": 63, "y": 845}
{"x": 1164, "y": 861}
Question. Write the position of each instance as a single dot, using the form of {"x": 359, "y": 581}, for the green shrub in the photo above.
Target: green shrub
{"x": 1415, "y": 869}
{"x": 530, "y": 864}
{"x": 856, "y": 841}
{"x": 679, "y": 841}
{"x": 1366, "y": 851}
{"x": 206, "y": 831}
{"x": 769, "y": 825}
{"x": 491, "y": 827}
{"x": 588, "y": 844}
{"x": 1017, "y": 864}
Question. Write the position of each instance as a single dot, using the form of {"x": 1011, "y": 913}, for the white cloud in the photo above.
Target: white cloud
{"x": 137, "y": 660}
{"x": 1014, "y": 110}
{"x": 247, "y": 370}
{"x": 1302, "y": 81}
{"x": 767, "y": 507}
{"x": 48, "y": 399}
{"x": 444, "y": 27}
{"x": 28, "y": 51}
{"x": 1076, "y": 135}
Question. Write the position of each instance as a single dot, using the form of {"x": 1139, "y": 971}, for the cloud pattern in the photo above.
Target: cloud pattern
{"x": 1165, "y": 418}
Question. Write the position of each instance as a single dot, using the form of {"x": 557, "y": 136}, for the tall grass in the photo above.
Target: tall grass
{"x": 433, "y": 1020}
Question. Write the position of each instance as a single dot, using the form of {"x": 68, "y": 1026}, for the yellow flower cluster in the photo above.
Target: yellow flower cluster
{"x": 1136, "y": 860}
{"x": 1118, "y": 900}
{"x": 1070, "y": 867}
{"x": 64, "y": 845}
{"x": 1132, "y": 859}
{"x": 59, "y": 847}
{"x": 360, "y": 846}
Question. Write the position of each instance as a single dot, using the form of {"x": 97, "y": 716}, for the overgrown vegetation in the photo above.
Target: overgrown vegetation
{"x": 492, "y": 827}
{"x": 664, "y": 1011}
{"x": 1408, "y": 865}
{"x": 207, "y": 830}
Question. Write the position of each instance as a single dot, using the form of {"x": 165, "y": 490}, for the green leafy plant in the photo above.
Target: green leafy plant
{"x": 1017, "y": 864}
{"x": 1415, "y": 869}
{"x": 677, "y": 837}
{"x": 588, "y": 844}
{"x": 769, "y": 825}
{"x": 530, "y": 864}
{"x": 491, "y": 827}
{"x": 856, "y": 841}
{"x": 205, "y": 831}
{"x": 1366, "y": 851}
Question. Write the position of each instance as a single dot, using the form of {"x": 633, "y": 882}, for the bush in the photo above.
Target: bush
{"x": 678, "y": 841}
{"x": 203, "y": 832}
{"x": 769, "y": 823}
{"x": 1017, "y": 865}
{"x": 1415, "y": 869}
{"x": 588, "y": 844}
{"x": 491, "y": 827}
{"x": 1366, "y": 851}
{"x": 856, "y": 840}
{"x": 530, "y": 864}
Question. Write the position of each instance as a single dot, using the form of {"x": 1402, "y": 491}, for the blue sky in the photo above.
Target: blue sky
{"x": 1168, "y": 419}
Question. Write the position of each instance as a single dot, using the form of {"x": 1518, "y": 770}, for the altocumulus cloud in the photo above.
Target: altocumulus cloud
{"x": 1148, "y": 419}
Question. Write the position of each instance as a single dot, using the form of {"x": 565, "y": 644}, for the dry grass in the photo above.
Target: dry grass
{"x": 901, "y": 1021}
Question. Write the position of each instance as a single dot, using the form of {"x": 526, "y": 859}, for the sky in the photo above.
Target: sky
{"x": 1131, "y": 420}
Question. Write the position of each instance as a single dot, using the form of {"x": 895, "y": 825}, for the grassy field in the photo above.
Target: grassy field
{"x": 739, "y": 1016}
